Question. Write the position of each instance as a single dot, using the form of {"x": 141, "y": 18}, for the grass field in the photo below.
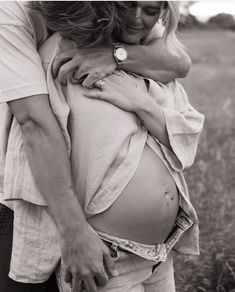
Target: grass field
{"x": 211, "y": 89}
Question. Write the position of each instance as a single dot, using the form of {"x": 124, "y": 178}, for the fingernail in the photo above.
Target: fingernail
{"x": 115, "y": 273}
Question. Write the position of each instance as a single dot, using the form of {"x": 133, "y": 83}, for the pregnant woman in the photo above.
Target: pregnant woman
{"x": 129, "y": 138}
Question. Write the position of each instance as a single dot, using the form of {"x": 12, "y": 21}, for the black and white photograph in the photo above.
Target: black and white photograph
{"x": 117, "y": 146}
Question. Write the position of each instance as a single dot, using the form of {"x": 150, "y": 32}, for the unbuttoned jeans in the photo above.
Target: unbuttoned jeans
{"x": 136, "y": 274}
{"x": 146, "y": 279}
{"x": 143, "y": 279}
{"x": 7, "y": 284}
{"x": 141, "y": 267}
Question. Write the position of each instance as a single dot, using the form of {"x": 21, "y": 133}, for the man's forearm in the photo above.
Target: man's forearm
{"x": 48, "y": 159}
{"x": 49, "y": 163}
{"x": 155, "y": 61}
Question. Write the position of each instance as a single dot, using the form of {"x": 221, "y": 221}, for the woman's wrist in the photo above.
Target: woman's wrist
{"x": 144, "y": 104}
{"x": 153, "y": 119}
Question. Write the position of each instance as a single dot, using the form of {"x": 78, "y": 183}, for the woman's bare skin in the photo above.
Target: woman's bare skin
{"x": 146, "y": 210}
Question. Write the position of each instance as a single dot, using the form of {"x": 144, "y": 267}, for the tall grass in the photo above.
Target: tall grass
{"x": 211, "y": 89}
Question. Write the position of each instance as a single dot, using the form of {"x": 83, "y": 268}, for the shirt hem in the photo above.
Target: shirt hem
{"x": 26, "y": 280}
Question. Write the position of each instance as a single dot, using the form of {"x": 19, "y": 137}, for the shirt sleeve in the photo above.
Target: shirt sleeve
{"x": 21, "y": 72}
{"x": 184, "y": 125}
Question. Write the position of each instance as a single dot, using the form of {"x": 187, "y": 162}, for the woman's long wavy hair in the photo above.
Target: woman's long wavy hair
{"x": 95, "y": 23}
{"x": 170, "y": 18}
{"x": 89, "y": 23}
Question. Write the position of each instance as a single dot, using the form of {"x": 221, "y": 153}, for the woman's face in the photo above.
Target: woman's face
{"x": 146, "y": 16}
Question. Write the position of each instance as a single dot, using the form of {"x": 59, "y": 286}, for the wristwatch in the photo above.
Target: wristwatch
{"x": 119, "y": 54}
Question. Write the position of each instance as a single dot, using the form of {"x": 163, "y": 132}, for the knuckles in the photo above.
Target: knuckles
{"x": 61, "y": 57}
{"x": 62, "y": 72}
{"x": 87, "y": 273}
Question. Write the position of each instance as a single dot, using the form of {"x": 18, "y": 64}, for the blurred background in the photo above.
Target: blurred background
{"x": 207, "y": 28}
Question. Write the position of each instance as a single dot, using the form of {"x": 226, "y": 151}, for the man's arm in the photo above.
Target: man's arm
{"x": 82, "y": 251}
{"x": 153, "y": 60}
{"x": 156, "y": 62}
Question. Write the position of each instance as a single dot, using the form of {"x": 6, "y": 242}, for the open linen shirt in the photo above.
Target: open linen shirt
{"x": 103, "y": 166}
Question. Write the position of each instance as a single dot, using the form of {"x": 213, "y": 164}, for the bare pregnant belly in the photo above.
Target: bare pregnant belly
{"x": 147, "y": 208}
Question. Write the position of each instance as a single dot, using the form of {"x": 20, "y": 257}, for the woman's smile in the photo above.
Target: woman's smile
{"x": 145, "y": 16}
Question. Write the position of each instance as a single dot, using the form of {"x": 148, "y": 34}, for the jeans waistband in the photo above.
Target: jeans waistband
{"x": 150, "y": 252}
{"x": 157, "y": 252}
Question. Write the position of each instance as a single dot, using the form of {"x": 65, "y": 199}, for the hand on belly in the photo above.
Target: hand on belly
{"x": 146, "y": 210}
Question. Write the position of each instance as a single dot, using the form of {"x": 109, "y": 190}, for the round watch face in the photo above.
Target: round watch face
{"x": 121, "y": 54}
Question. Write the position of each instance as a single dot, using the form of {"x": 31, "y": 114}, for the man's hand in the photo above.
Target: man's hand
{"x": 86, "y": 260}
{"x": 85, "y": 66}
